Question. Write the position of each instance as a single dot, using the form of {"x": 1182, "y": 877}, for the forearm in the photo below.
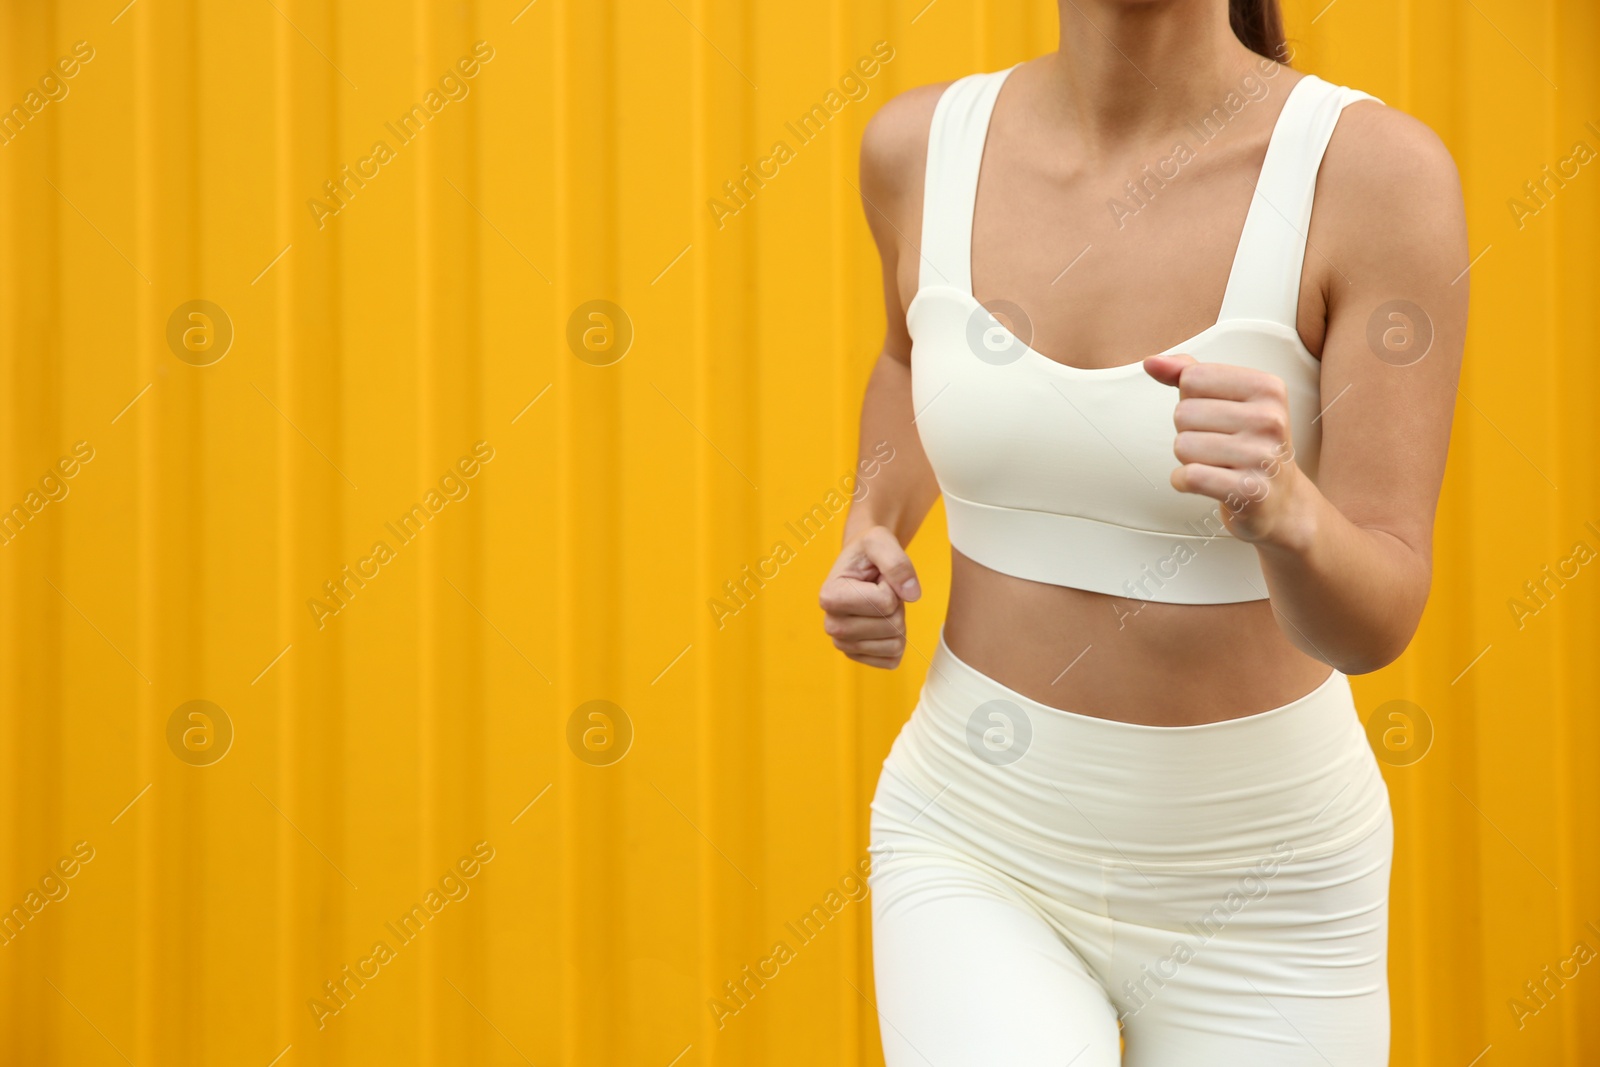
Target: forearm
{"x": 902, "y": 488}
{"x": 1348, "y": 595}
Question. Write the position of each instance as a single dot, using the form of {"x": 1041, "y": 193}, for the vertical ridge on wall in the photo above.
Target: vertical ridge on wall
{"x": 591, "y": 466}
{"x": 571, "y": 1021}
{"x": 427, "y": 400}
{"x": 702, "y": 968}
{"x": 147, "y": 917}
{"x": 26, "y": 330}
{"x": 1577, "y": 384}
{"x": 280, "y": 292}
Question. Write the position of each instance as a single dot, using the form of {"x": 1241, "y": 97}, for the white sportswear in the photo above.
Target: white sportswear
{"x": 1060, "y": 474}
{"x": 1049, "y": 885}
{"x": 1041, "y": 877}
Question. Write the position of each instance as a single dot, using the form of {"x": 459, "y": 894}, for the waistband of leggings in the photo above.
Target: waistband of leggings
{"x": 1300, "y": 771}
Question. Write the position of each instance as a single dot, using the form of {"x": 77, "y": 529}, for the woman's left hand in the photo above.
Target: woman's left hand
{"x": 1233, "y": 441}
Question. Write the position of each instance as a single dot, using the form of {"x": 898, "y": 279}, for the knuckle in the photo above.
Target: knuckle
{"x": 1267, "y": 418}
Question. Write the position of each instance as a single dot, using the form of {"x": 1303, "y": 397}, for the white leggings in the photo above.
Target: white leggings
{"x": 1045, "y": 882}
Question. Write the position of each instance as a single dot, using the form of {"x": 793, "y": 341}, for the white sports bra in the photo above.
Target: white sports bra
{"x": 1059, "y": 474}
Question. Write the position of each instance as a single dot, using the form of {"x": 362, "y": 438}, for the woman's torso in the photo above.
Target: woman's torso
{"x": 1096, "y": 275}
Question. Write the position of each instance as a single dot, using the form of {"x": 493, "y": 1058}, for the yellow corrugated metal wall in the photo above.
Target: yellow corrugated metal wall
{"x": 191, "y": 877}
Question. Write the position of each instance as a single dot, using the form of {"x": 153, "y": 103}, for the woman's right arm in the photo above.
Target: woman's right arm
{"x": 862, "y": 598}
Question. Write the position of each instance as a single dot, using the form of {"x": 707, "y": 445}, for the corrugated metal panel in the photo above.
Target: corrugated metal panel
{"x": 375, "y": 747}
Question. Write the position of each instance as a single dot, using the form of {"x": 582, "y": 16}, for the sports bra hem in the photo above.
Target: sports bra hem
{"x": 1053, "y": 548}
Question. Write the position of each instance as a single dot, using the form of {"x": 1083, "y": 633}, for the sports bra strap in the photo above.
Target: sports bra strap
{"x": 1264, "y": 282}
{"x": 950, "y": 187}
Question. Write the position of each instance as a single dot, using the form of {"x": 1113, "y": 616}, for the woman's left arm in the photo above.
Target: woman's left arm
{"x": 1348, "y": 560}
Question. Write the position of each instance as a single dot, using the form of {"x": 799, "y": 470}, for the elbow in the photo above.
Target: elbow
{"x": 1387, "y": 633}
{"x": 1367, "y": 661}
{"x": 1378, "y": 649}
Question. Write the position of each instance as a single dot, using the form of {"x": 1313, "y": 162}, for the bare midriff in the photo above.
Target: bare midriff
{"x": 1122, "y": 659}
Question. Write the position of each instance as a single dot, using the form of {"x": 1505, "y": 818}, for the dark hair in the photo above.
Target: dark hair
{"x": 1259, "y": 24}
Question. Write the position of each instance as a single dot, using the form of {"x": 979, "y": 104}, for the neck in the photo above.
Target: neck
{"x": 1127, "y": 70}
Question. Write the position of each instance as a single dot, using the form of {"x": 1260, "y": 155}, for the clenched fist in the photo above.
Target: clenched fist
{"x": 1233, "y": 442}
{"x": 863, "y": 599}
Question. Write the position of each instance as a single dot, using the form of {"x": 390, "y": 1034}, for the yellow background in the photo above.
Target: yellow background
{"x": 372, "y": 352}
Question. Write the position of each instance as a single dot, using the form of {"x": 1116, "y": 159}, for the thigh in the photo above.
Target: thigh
{"x": 1286, "y": 968}
{"x": 968, "y": 975}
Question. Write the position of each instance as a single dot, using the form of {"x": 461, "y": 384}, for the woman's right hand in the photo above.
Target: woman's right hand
{"x": 864, "y": 595}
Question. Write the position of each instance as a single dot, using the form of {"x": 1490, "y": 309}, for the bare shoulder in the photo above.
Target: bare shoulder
{"x": 894, "y": 150}
{"x": 1381, "y": 151}
{"x": 1390, "y": 195}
